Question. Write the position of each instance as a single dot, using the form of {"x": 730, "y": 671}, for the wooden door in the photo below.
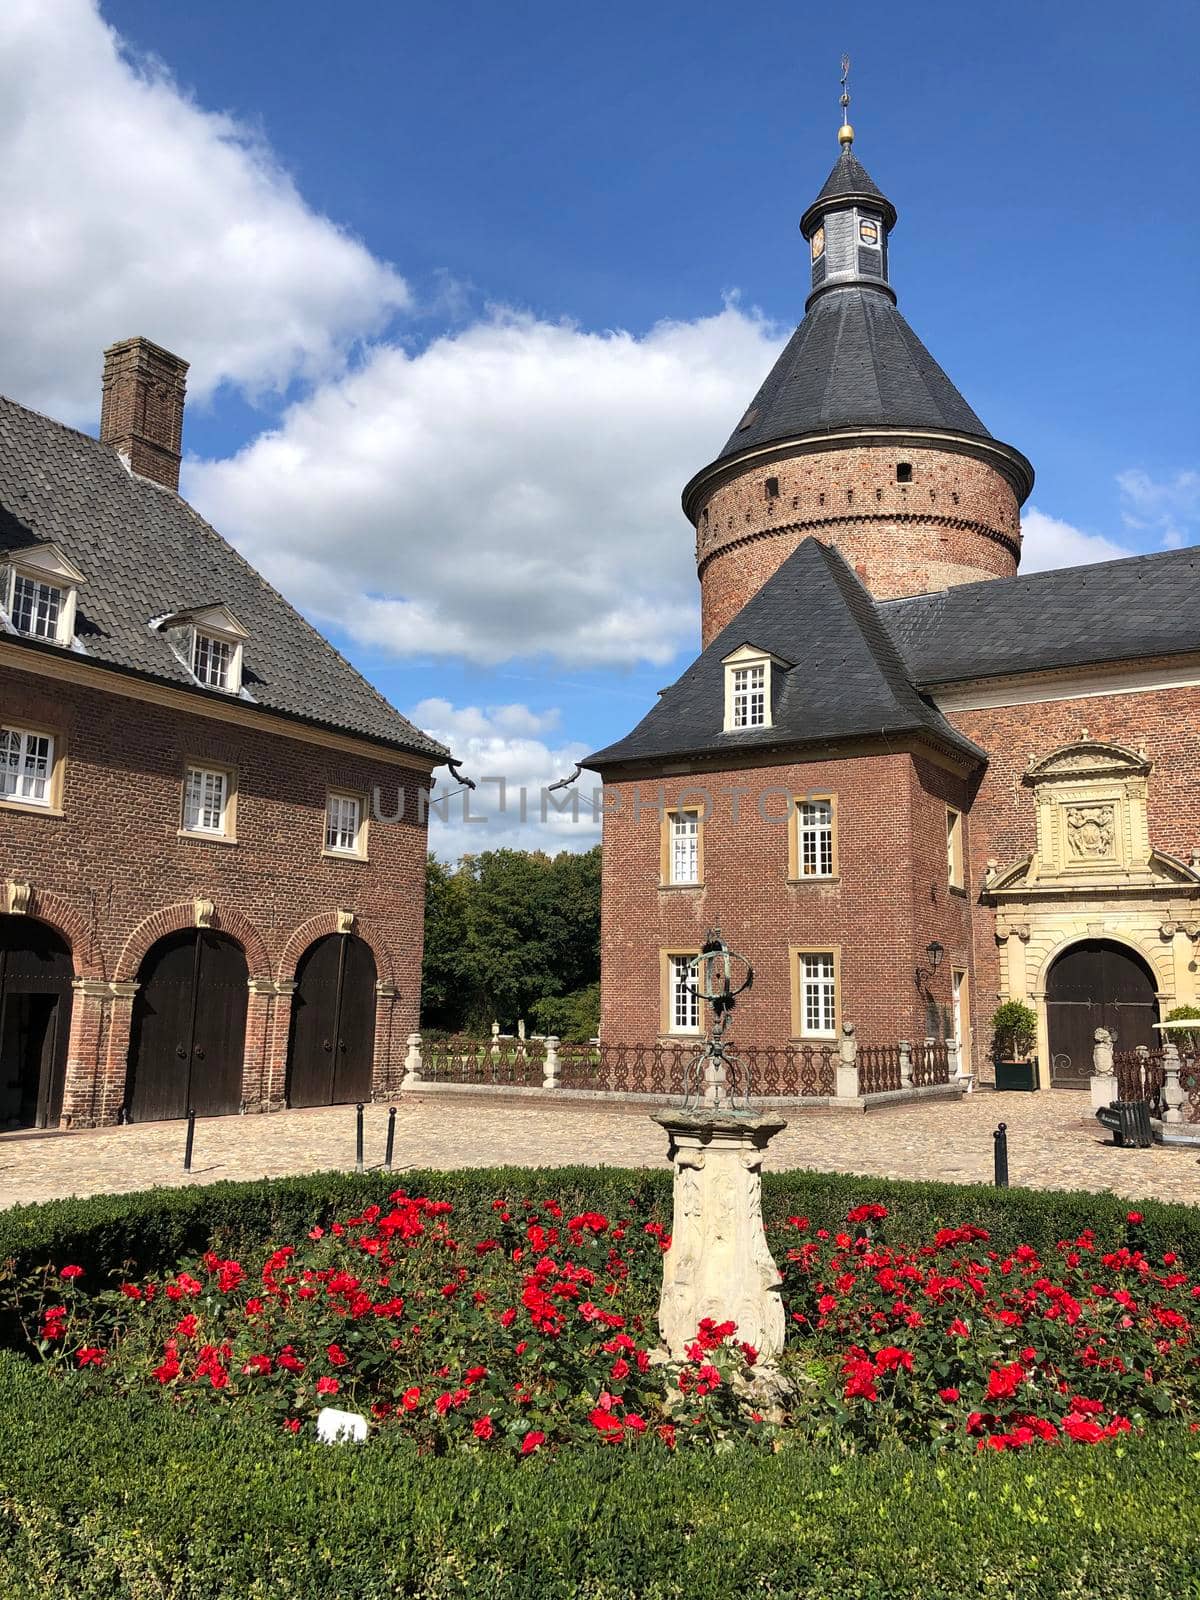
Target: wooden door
{"x": 1096, "y": 985}
{"x": 331, "y": 1049}
{"x": 187, "y": 1042}
{"x": 35, "y": 1021}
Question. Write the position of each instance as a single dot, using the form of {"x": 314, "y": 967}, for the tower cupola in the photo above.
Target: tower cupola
{"x": 847, "y": 228}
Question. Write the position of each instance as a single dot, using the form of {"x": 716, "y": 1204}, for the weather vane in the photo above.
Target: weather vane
{"x": 846, "y": 132}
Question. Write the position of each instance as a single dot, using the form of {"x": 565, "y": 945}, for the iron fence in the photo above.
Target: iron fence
{"x": 878, "y": 1068}
{"x": 1140, "y": 1076}
{"x": 495, "y": 1062}
{"x": 931, "y": 1063}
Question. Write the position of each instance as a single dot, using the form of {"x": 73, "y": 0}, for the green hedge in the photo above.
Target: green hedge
{"x": 152, "y": 1229}
{"x": 117, "y": 1499}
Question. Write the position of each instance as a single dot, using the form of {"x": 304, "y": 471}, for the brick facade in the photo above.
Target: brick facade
{"x": 888, "y": 900}
{"x": 113, "y": 874}
{"x": 956, "y": 521}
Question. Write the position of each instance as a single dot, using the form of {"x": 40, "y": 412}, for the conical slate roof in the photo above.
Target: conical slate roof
{"x": 853, "y": 362}
{"x": 843, "y": 676}
{"x": 849, "y": 178}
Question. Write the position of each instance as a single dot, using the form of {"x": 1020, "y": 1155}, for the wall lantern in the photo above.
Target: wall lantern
{"x": 934, "y": 951}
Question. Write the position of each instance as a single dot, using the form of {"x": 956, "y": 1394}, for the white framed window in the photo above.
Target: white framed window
{"x": 26, "y": 766}
{"x": 36, "y": 608}
{"x": 212, "y": 660}
{"x": 814, "y": 833}
{"x": 817, "y": 993}
{"x": 683, "y": 847}
{"x": 206, "y": 793}
{"x": 343, "y": 825}
{"x": 683, "y": 1007}
{"x": 750, "y": 696}
{"x": 954, "y": 849}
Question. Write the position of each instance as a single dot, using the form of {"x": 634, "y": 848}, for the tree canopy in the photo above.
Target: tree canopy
{"x": 512, "y": 934}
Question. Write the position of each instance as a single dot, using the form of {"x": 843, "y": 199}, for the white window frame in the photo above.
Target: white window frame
{"x": 336, "y": 798}
{"x": 204, "y": 639}
{"x": 684, "y": 849}
{"x": 818, "y": 976}
{"x": 681, "y": 1004}
{"x": 741, "y": 694}
{"x": 26, "y": 778}
{"x": 201, "y": 776}
{"x": 815, "y": 842}
{"x": 48, "y": 569}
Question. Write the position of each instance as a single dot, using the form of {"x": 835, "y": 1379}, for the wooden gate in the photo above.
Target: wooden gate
{"x": 332, "y": 1045}
{"x": 35, "y": 1022}
{"x": 188, "y": 1038}
{"x": 1096, "y": 985}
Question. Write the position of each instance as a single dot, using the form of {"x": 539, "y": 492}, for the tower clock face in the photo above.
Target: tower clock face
{"x": 818, "y": 242}
{"x": 868, "y": 231}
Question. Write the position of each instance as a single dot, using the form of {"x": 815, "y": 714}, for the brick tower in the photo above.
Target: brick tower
{"x": 857, "y": 438}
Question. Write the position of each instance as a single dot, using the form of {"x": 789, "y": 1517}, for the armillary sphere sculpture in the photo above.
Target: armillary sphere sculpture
{"x": 716, "y": 1079}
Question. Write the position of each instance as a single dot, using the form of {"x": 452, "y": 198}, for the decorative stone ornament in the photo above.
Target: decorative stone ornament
{"x": 18, "y": 898}
{"x": 204, "y": 911}
{"x": 345, "y": 922}
{"x": 719, "y": 1264}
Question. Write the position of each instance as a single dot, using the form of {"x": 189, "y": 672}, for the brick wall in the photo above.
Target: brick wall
{"x": 957, "y": 521}
{"x": 889, "y": 899}
{"x": 1002, "y": 824}
{"x": 113, "y": 873}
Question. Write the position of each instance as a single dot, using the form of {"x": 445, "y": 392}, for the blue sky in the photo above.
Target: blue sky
{"x": 518, "y": 269}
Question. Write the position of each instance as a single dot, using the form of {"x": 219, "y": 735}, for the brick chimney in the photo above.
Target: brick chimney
{"x": 141, "y": 413}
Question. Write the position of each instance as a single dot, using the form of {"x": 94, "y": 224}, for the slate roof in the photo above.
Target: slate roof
{"x": 1138, "y": 606}
{"x": 145, "y": 553}
{"x": 852, "y": 362}
{"x": 848, "y": 178}
{"x": 847, "y": 679}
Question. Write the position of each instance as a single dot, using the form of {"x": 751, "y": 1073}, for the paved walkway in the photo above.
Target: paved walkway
{"x": 1054, "y": 1143}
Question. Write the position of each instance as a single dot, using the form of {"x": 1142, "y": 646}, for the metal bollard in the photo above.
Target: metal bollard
{"x": 191, "y": 1138}
{"x": 1000, "y": 1154}
{"x": 391, "y": 1139}
{"x": 358, "y": 1140}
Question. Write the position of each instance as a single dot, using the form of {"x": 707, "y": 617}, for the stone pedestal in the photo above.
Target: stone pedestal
{"x": 719, "y": 1265}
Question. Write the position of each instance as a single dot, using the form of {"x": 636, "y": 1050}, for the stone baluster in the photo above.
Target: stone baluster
{"x": 1174, "y": 1093}
{"x": 495, "y": 1038}
{"x": 412, "y": 1062}
{"x": 550, "y": 1064}
{"x": 954, "y": 1058}
{"x": 1104, "y": 1079}
{"x": 847, "y": 1066}
{"x": 906, "y": 1064}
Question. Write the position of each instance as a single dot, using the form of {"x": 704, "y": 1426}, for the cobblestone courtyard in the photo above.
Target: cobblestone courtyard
{"x": 1054, "y": 1143}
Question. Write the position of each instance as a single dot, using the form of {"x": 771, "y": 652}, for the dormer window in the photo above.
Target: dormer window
{"x": 212, "y": 660}
{"x": 748, "y": 689}
{"x": 208, "y": 641}
{"x": 38, "y": 593}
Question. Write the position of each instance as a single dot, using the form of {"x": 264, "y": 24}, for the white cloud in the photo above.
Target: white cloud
{"x": 511, "y": 489}
{"x": 499, "y": 748}
{"x": 1168, "y": 509}
{"x": 1050, "y": 542}
{"x": 129, "y": 209}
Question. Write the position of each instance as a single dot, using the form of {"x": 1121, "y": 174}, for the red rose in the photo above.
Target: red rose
{"x": 474, "y": 1374}
{"x": 411, "y": 1399}
{"x": 292, "y": 1424}
{"x": 508, "y": 1317}
{"x": 90, "y": 1356}
{"x": 531, "y": 1441}
{"x": 482, "y": 1428}
{"x": 327, "y": 1386}
{"x": 948, "y": 1395}
{"x": 605, "y": 1423}
{"x": 337, "y": 1355}
{"x": 71, "y": 1272}
{"x": 867, "y": 1213}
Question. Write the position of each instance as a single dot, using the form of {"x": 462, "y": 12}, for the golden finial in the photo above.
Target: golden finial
{"x": 845, "y": 132}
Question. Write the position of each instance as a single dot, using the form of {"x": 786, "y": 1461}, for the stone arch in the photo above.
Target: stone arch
{"x": 59, "y": 914}
{"x": 331, "y": 922}
{"x": 171, "y": 919}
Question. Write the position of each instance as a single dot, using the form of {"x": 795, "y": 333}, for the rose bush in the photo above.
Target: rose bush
{"x": 540, "y": 1331}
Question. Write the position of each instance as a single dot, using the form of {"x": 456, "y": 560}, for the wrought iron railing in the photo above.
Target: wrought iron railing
{"x": 931, "y": 1063}
{"x": 1140, "y": 1076}
{"x": 625, "y": 1068}
{"x": 495, "y": 1062}
{"x": 878, "y": 1068}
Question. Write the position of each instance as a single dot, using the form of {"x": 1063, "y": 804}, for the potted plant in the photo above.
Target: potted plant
{"x": 1014, "y": 1030}
{"x": 1188, "y": 1039}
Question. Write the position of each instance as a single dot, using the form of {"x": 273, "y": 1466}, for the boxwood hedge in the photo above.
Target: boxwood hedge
{"x": 125, "y": 1498}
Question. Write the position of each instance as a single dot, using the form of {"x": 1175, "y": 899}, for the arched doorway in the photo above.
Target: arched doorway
{"x": 332, "y": 1045}
{"x": 1096, "y": 984}
{"x": 35, "y": 1022}
{"x": 188, "y": 1036}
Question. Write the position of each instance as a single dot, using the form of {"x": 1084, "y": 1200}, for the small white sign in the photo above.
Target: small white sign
{"x": 340, "y": 1427}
